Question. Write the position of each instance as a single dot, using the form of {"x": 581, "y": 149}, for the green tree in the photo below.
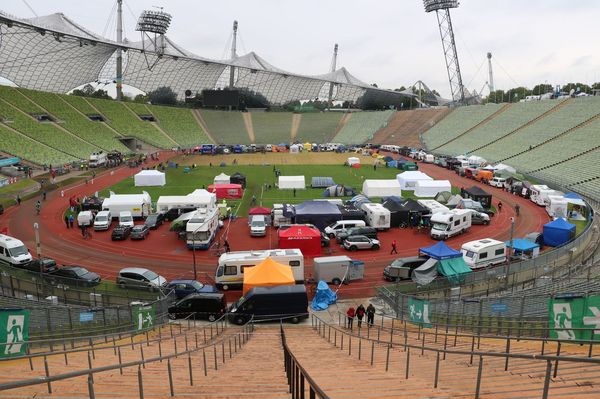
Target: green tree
{"x": 141, "y": 98}
{"x": 163, "y": 95}
{"x": 252, "y": 99}
{"x": 542, "y": 88}
{"x": 578, "y": 87}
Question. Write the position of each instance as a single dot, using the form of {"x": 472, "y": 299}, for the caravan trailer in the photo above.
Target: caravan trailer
{"x": 482, "y": 253}
{"x": 377, "y": 216}
{"x": 230, "y": 270}
{"x": 202, "y": 228}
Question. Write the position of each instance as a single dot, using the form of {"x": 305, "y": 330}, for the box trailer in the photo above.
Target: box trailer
{"x": 377, "y": 216}
{"x": 338, "y": 269}
{"x": 140, "y": 205}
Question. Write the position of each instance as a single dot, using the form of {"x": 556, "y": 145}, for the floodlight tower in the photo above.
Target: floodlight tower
{"x": 233, "y": 54}
{"x": 491, "y": 74}
{"x": 333, "y": 66}
{"x": 153, "y": 25}
{"x": 442, "y": 10}
{"x": 119, "y": 79}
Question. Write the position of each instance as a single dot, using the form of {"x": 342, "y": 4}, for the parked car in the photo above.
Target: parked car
{"x": 357, "y": 231}
{"x": 183, "y": 288}
{"x": 102, "y": 221}
{"x": 120, "y": 233}
{"x": 325, "y": 241}
{"x": 204, "y": 305}
{"x": 354, "y": 243}
{"x": 138, "y": 277}
{"x": 479, "y": 217}
{"x": 139, "y": 232}
{"x": 402, "y": 268}
{"x": 41, "y": 265}
{"x": 154, "y": 220}
{"x": 74, "y": 275}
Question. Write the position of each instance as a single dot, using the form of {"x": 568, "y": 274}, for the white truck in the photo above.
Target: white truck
{"x": 448, "y": 224}
{"x": 338, "y": 269}
{"x": 484, "y": 252}
{"x": 377, "y": 216}
{"x": 140, "y": 205}
{"x": 98, "y": 159}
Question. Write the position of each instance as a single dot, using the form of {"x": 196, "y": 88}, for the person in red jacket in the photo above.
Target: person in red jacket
{"x": 350, "y": 313}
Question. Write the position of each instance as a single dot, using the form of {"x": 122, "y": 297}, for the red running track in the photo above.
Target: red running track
{"x": 165, "y": 254}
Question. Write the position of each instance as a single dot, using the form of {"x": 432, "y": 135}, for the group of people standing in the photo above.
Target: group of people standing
{"x": 359, "y": 314}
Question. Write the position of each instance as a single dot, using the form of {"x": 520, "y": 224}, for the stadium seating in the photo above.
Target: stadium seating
{"x": 226, "y": 127}
{"x": 180, "y": 124}
{"x": 272, "y": 127}
{"x": 32, "y": 150}
{"x": 94, "y": 132}
{"x": 457, "y": 122}
{"x": 512, "y": 118}
{"x": 319, "y": 127}
{"x": 405, "y": 127}
{"x": 361, "y": 127}
{"x": 584, "y": 169}
{"x": 125, "y": 121}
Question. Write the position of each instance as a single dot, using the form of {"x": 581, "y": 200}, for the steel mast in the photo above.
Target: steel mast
{"x": 119, "y": 79}
{"x": 333, "y": 66}
{"x": 233, "y": 54}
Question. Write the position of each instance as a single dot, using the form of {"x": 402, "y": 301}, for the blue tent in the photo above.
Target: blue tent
{"x": 319, "y": 213}
{"x": 572, "y": 196}
{"x": 558, "y": 232}
{"x": 522, "y": 245}
{"x": 440, "y": 251}
{"x": 323, "y": 297}
{"x": 392, "y": 164}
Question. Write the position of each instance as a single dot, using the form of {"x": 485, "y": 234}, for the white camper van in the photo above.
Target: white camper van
{"x": 433, "y": 206}
{"x": 447, "y": 224}
{"x": 540, "y": 192}
{"x": 97, "y": 159}
{"x": 482, "y": 253}
{"x": 338, "y": 269}
{"x": 230, "y": 271}
{"x": 557, "y": 206}
{"x": 13, "y": 251}
{"x": 377, "y": 216}
{"x": 202, "y": 228}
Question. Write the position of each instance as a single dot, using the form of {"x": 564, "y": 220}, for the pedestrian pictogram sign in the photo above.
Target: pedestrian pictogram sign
{"x": 143, "y": 317}
{"x": 14, "y": 332}
{"x": 418, "y": 312}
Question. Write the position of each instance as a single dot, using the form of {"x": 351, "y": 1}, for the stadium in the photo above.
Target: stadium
{"x": 170, "y": 221}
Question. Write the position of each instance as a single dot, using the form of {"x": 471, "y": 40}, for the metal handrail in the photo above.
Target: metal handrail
{"x": 296, "y": 374}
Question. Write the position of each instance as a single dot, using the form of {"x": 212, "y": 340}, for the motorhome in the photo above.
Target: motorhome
{"x": 167, "y": 202}
{"x": 377, "y": 216}
{"x": 97, "y": 159}
{"x": 484, "y": 252}
{"x": 230, "y": 269}
{"x": 540, "y": 192}
{"x": 13, "y": 251}
{"x": 557, "y": 206}
{"x": 140, "y": 205}
{"x": 338, "y": 269}
{"x": 202, "y": 228}
{"x": 433, "y": 206}
{"x": 448, "y": 224}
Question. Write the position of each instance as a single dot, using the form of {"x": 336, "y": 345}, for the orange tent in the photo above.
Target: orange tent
{"x": 267, "y": 273}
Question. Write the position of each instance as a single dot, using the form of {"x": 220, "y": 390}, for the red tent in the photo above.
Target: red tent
{"x": 228, "y": 191}
{"x": 259, "y": 211}
{"x": 305, "y": 238}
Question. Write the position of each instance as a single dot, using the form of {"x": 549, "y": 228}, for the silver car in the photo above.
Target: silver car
{"x": 138, "y": 277}
{"x": 354, "y": 243}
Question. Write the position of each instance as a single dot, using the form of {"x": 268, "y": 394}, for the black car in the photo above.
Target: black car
{"x": 357, "y": 231}
{"x": 120, "y": 233}
{"x": 154, "y": 220}
{"x": 41, "y": 265}
{"x": 92, "y": 204}
{"x": 139, "y": 232}
{"x": 74, "y": 275}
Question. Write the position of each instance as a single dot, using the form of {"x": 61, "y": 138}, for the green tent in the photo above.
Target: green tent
{"x": 410, "y": 166}
{"x": 454, "y": 269}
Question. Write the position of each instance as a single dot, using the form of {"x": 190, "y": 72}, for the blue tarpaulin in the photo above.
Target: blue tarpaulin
{"x": 323, "y": 297}
{"x": 558, "y": 232}
{"x": 440, "y": 251}
{"x": 522, "y": 245}
{"x": 572, "y": 196}
{"x": 392, "y": 164}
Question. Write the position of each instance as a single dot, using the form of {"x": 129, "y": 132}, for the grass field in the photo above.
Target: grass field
{"x": 259, "y": 176}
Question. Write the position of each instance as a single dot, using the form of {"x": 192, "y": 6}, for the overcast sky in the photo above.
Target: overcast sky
{"x": 388, "y": 42}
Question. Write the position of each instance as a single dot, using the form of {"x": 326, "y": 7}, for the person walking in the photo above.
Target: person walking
{"x": 394, "y": 248}
{"x": 370, "y": 315}
{"x": 71, "y": 221}
{"x": 18, "y": 199}
{"x": 38, "y": 206}
{"x": 44, "y": 195}
{"x": 499, "y": 206}
{"x": 226, "y": 245}
{"x": 294, "y": 192}
{"x": 360, "y": 313}
{"x": 67, "y": 220}
{"x": 350, "y": 313}
{"x": 253, "y": 201}
{"x": 517, "y": 209}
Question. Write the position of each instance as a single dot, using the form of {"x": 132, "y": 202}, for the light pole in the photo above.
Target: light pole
{"x": 38, "y": 249}
{"x": 510, "y": 251}
{"x": 194, "y": 253}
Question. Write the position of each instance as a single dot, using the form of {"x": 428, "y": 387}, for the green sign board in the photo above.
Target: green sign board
{"x": 418, "y": 312}
{"x": 574, "y": 318}
{"x": 143, "y": 317}
{"x": 14, "y": 332}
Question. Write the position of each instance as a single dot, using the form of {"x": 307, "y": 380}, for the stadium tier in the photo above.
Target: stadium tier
{"x": 405, "y": 127}
{"x": 361, "y": 127}
{"x": 180, "y": 124}
{"x": 458, "y": 122}
{"x": 272, "y": 127}
{"x": 23, "y": 146}
{"x": 226, "y": 127}
{"x": 318, "y": 127}
{"x": 513, "y": 117}
{"x": 582, "y": 172}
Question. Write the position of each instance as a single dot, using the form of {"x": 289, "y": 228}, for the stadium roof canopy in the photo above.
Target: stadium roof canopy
{"x": 53, "y": 53}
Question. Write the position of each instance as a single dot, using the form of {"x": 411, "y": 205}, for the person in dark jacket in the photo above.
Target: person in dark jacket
{"x": 370, "y": 315}
{"x": 67, "y": 220}
{"x": 360, "y": 313}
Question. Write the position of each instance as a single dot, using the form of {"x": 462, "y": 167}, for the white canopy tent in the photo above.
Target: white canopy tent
{"x": 291, "y": 182}
{"x": 475, "y": 160}
{"x": 222, "y": 179}
{"x": 149, "y": 178}
{"x": 353, "y": 160}
{"x": 208, "y": 199}
{"x": 505, "y": 168}
{"x": 381, "y": 188}
{"x": 431, "y": 188}
{"x": 409, "y": 179}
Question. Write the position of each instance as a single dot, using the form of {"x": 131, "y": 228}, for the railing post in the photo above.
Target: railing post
{"x": 140, "y": 382}
{"x": 142, "y": 356}
{"x": 160, "y": 350}
{"x": 472, "y": 349}
{"x": 204, "y": 359}
{"x": 171, "y": 390}
{"x": 387, "y": 358}
{"x": 350, "y": 345}
{"x": 423, "y": 344}
{"x": 407, "y": 362}
{"x": 479, "y": 371}
{"x": 556, "y": 361}
{"x": 190, "y": 369}
{"x": 90, "y": 384}
{"x": 372, "y": 351}
{"x": 47, "y": 371}
{"x": 120, "y": 361}
{"x": 547, "y": 379}
{"x": 90, "y": 364}
{"x": 215, "y": 355}
{"x": 437, "y": 369}
{"x": 507, "y": 353}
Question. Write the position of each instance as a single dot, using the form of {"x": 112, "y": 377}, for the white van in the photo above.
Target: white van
{"x": 377, "y": 215}
{"x": 484, "y": 252}
{"x": 126, "y": 219}
{"x": 102, "y": 221}
{"x": 258, "y": 226}
{"x": 447, "y": 224}
{"x": 499, "y": 182}
{"x": 230, "y": 270}
{"x": 85, "y": 218}
{"x": 342, "y": 225}
{"x": 13, "y": 251}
